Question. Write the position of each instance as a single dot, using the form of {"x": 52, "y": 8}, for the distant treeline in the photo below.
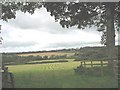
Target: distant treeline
{"x": 64, "y": 50}
{"x": 61, "y": 50}
{"x": 94, "y": 53}
{"x": 15, "y": 59}
{"x": 86, "y": 53}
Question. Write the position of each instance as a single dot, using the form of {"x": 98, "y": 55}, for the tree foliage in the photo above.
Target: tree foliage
{"x": 68, "y": 14}
{"x": 86, "y": 14}
{"x": 82, "y": 14}
{"x": 9, "y": 9}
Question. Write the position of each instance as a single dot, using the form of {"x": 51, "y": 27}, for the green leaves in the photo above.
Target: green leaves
{"x": 9, "y": 9}
{"x": 81, "y": 14}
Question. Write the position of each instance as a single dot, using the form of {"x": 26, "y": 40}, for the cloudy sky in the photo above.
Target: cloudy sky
{"x": 39, "y": 32}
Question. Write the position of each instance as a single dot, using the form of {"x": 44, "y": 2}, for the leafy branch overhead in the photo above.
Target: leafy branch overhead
{"x": 80, "y": 14}
{"x": 83, "y": 14}
{"x": 68, "y": 14}
{"x": 9, "y": 8}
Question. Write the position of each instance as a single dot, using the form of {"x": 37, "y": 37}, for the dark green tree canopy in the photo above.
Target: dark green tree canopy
{"x": 68, "y": 14}
{"x": 9, "y": 9}
{"x": 80, "y": 14}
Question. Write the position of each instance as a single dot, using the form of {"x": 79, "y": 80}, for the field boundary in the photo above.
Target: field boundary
{"x": 92, "y": 64}
{"x": 84, "y": 67}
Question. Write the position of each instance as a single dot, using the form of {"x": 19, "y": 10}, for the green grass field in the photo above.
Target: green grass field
{"x": 57, "y": 75}
{"x": 35, "y": 61}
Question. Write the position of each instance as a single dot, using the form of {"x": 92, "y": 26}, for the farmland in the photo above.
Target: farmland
{"x": 47, "y": 54}
{"x": 58, "y": 75}
{"x": 57, "y": 69}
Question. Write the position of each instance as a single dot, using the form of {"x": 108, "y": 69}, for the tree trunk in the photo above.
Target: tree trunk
{"x": 110, "y": 7}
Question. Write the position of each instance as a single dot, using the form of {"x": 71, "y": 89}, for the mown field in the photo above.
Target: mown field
{"x": 58, "y": 75}
{"x": 47, "y": 54}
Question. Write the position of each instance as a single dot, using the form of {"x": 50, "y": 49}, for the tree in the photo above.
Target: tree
{"x": 9, "y": 8}
{"x": 0, "y": 36}
{"x": 104, "y": 15}
{"x": 45, "y": 57}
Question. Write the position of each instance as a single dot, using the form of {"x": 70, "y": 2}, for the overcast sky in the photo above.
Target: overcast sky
{"x": 39, "y": 32}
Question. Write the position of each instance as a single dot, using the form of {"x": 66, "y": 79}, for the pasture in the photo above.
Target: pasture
{"x": 58, "y": 75}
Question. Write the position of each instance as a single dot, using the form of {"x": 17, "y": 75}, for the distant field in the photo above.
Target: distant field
{"x": 57, "y": 75}
{"x": 53, "y": 60}
{"x": 47, "y": 54}
{"x": 69, "y": 60}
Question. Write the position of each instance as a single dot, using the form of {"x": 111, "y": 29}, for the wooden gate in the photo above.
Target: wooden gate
{"x": 87, "y": 63}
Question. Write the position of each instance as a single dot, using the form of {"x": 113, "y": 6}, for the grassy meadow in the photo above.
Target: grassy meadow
{"x": 58, "y": 75}
{"x": 58, "y": 69}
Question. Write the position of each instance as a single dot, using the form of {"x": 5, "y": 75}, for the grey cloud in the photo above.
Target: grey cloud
{"x": 71, "y": 44}
{"x": 25, "y": 21}
{"x": 118, "y": 40}
{"x": 118, "y": 37}
{"x": 41, "y": 22}
{"x": 45, "y": 23}
{"x": 14, "y": 44}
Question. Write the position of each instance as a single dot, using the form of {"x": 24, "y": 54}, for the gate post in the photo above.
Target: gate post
{"x": 7, "y": 78}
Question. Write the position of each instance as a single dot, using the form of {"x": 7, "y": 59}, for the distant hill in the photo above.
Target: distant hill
{"x": 80, "y": 53}
{"x": 84, "y": 53}
{"x": 71, "y": 50}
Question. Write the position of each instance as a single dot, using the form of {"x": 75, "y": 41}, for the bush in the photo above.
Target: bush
{"x": 95, "y": 71}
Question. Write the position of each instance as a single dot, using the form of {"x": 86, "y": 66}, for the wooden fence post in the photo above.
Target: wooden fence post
{"x": 84, "y": 64}
{"x": 91, "y": 65}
